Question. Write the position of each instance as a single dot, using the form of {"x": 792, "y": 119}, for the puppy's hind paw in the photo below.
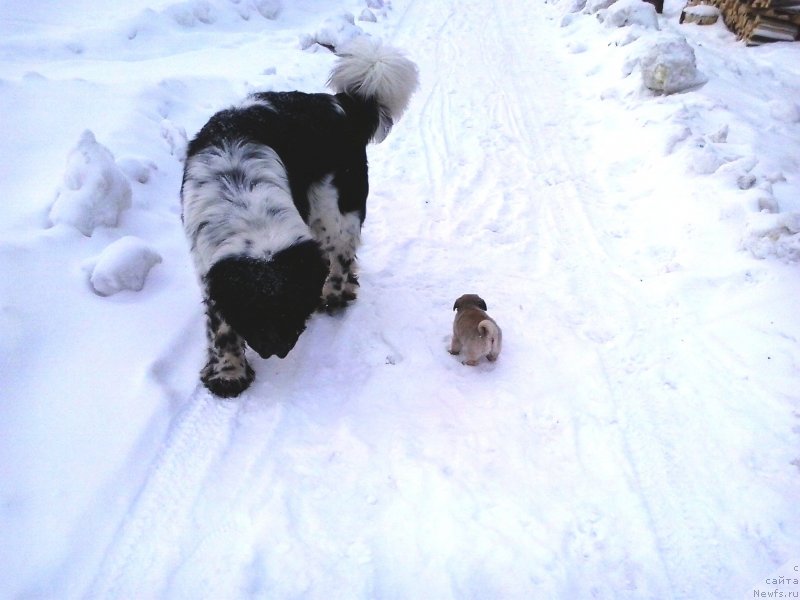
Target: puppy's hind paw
{"x": 223, "y": 385}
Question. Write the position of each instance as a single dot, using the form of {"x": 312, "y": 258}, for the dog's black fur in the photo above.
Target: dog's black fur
{"x": 311, "y": 137}
{"x": 268, "y": 304}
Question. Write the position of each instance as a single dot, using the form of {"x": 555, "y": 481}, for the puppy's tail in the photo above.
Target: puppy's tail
{"x": 369, "y": 71}
{"x": 491, "y": 332}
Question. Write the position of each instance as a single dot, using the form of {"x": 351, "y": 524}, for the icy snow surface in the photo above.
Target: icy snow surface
{"x": 639, "y": 437}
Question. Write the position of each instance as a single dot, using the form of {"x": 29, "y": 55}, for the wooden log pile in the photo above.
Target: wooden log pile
{"x": 760, "y": 21}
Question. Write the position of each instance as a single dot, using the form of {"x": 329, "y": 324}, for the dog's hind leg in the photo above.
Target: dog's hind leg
{"x": 339, "y": 236}
{"x": 343, "y": 263}
{"x": 227, "y": 372}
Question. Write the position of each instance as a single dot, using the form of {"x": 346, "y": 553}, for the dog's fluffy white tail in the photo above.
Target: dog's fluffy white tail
{"x": 371, "y": 70}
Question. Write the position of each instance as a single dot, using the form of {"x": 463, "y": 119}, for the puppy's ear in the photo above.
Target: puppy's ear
{"x": 482, "y": 304}
{"x": 455, "y": 306}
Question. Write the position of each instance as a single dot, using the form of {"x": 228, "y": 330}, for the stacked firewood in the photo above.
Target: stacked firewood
{"x": 761, "y": 21}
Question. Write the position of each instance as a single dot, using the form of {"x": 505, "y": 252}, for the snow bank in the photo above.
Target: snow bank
{"x": 94, "y": 190}
{"x": 195, "y": 13}
{"x": 123, "y": 265}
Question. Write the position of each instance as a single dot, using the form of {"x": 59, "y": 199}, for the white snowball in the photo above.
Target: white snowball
{"x": 94, "y": 190}
{"x": 668, "y": 64}
{"x": 123, "y": 265}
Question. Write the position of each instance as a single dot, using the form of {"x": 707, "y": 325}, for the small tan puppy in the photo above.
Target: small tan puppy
{"x": 474, "y": 331}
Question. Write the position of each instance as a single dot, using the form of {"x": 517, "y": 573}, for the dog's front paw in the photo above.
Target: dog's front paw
{"x": 337, "y": 295}
{"x": 332, "y": 303}
{"x": 227, "y": 382}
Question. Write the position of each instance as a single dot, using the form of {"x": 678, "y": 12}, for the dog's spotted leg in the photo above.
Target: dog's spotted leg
{"x": 227, "y": 372}
{"x": 455, "y": 345}
{"x": 339, "y": 236}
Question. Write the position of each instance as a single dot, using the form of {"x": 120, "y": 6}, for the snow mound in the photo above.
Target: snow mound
{"x": 334, "y": 32}
{"x": 123, "y": 265}
{"x": 776, "y": 235}
{"x": 625, "y": 13}
{"x": 190, "y": 14}
{"x": 784, "y": 110}
{"x": 94, "y": 190}
{"x": 269, "y": 9}
{"x": 667, "y": 63}
{"x": 595, "y": 6}
{"x": 135, "y": 169}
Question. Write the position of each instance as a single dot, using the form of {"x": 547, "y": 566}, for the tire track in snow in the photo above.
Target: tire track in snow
{"x": 149, "y": 541}
{"x": 530, "y": 110}
{"x": 683, "y": 533}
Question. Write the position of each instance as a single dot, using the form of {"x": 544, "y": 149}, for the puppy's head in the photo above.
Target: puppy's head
{"x": 469, "y": 301}
{"x": 268, "y": 302}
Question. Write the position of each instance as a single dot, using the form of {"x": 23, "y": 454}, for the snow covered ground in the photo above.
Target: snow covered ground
{"x": 639, "y": 437}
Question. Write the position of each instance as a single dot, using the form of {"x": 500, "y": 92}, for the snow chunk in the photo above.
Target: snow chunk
{"x": 368, "y": 16}
{"x": 624, "y": 13}
{"x": 785, "y": 111}
{"x": 334, "y": 32}
{"x": 773, "y": 235}
{"x": 94, "y": 190}
{"x": 123, "y": 265}
{"x": 668, "y": 64}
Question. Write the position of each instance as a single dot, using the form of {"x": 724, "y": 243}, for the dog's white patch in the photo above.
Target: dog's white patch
{"x": 334, "y": 231}
{"x": 237, "y": 201}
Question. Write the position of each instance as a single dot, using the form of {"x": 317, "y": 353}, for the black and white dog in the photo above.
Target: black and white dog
{"x": 274, "y": 195}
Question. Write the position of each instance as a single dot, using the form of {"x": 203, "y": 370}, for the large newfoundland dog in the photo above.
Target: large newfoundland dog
{"x": 274, "y": 194}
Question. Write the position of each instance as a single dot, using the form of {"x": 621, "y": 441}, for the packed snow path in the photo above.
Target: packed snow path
{"x": 623, "y": 446}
